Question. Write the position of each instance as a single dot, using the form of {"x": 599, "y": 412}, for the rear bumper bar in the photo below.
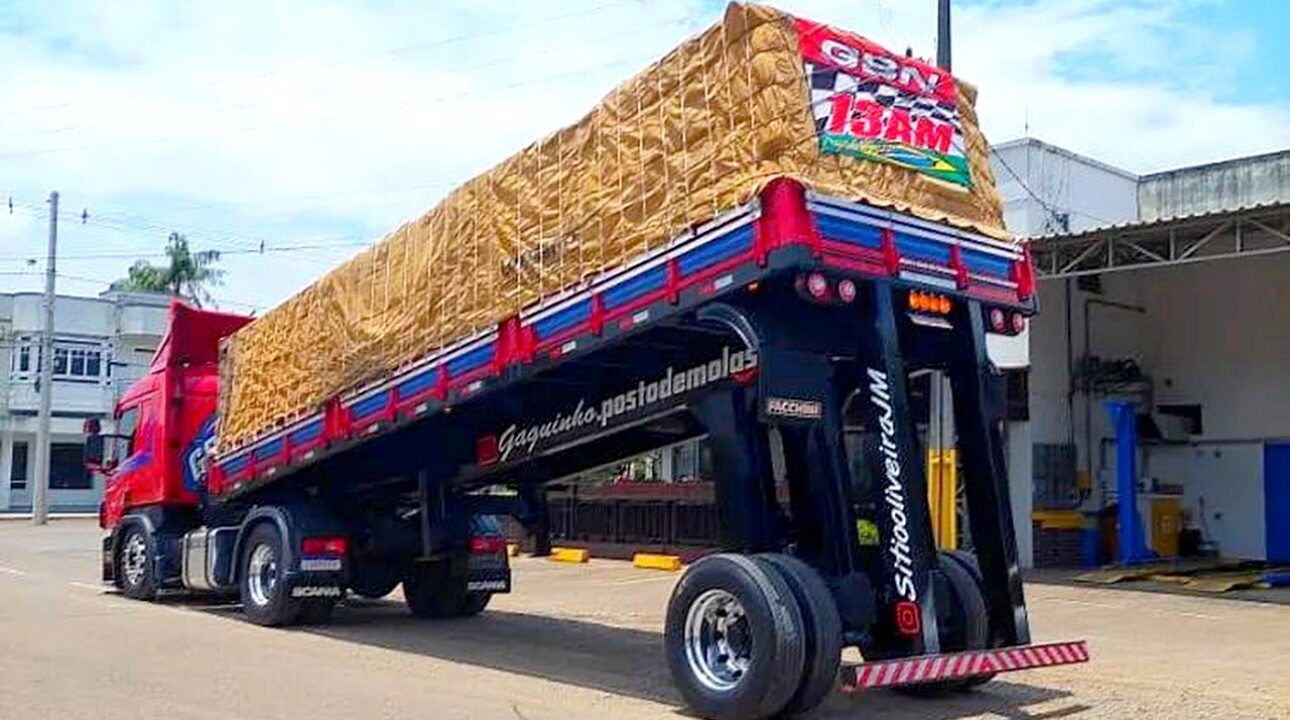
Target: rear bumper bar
{"x": 960, "y": 666}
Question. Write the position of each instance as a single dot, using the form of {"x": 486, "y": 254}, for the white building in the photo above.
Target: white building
{"x": 1168, "y": 290}
{"x": 101, "y": 346}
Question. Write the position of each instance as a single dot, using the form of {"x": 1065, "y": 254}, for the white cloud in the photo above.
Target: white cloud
{"x": 295, "y": 121}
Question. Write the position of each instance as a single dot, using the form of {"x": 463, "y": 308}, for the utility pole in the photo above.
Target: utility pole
{"x": 40, "y": 493}
{"x": 943, "y": 34}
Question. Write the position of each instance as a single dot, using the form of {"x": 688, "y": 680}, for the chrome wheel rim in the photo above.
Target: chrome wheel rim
{"x": 262, "y": 574}
{"x": 134, "y": 559}
{"x": 718, "y": 641}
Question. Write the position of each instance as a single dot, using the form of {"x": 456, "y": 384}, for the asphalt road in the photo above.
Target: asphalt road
{"x": 572, "y": 642}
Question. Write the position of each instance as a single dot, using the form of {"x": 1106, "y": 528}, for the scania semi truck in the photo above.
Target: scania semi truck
{"x": 759, "y": 330}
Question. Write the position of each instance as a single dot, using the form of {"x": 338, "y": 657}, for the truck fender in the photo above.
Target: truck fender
{"x": 143, "y": 519}
{"x": 294, "y": 521}
{"x": 277, "y": 516}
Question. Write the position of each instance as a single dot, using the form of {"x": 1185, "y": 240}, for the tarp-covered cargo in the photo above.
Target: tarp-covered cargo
{"x": 761, "y": 95}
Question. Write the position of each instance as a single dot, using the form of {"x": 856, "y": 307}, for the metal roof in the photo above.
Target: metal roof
{"x": 1219, "y": 234}
{"x": 1149, "y": 224}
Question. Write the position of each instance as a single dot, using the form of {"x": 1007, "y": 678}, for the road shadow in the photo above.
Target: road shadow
{"x": 629, "y": 662}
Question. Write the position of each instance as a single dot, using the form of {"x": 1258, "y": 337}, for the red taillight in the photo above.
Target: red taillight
{"x": 998, "y": 321}
{"x": 487, "y": 544}
{"x": 486, "y": 451}
{"x": 817, "y": 285}
{"x": 324, "y": 546}
{"x": 909, "y": 620}
{"x": 847, "y": 291}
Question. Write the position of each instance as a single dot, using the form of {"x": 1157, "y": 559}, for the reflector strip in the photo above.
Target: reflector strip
{"x": 932, "y": 668}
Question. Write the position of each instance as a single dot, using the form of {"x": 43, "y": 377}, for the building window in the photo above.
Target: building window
{"x": 24, "y": 359}
{"x": 67, "y": 469}
{"x": 18, "y": 473}
{"x": 692, "y": 462}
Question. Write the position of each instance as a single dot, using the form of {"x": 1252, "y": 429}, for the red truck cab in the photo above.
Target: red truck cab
{"x": 165, "y": 421}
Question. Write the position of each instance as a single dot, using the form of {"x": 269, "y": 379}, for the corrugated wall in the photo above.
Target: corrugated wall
{"x": 1226, "y": 185}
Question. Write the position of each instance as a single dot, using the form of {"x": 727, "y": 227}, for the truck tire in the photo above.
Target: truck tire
{"x": 970, "y": 563}
{"x": 962, "y": 619}
{"x": 823, "y": 630}
{"x": 316, "y": 611}
{"x": 432, "y": 593}
{"x": 734, "y": 640}
{"x": 136, "y": 563}
{"x": 374, "y": 580}
{"x": 265, "y": 598}
{"x": 474, "y": 603}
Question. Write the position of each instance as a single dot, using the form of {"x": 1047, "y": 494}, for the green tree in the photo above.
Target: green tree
{"x": 188, "y": 274}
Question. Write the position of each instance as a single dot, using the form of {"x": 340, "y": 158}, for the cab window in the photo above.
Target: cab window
{"x": 127, "y": 425}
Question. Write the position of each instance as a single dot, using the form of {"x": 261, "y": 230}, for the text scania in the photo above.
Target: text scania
{"x": 524, "y": 440}
{"x": 894, "y": 490}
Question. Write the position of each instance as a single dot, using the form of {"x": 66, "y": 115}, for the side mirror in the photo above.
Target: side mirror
{"x": 93, "y": 454}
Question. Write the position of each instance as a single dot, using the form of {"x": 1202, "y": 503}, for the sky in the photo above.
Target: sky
{"x": 312, "y": 128}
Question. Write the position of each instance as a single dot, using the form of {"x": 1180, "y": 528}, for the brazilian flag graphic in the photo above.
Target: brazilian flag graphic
{"x": 949, "y": 168}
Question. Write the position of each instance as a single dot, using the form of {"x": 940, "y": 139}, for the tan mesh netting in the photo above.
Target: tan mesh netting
{"x": 697, "y": 133}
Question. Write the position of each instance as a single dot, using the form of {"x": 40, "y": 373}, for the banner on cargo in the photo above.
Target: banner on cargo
{"x": 875, "y": 105}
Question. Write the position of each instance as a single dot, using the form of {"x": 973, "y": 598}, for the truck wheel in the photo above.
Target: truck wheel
{"x": 317, "y": 612}
{"x": 961, "y": 618}
{"x": 265, "y": 598}
{"x": 823, "y": 630}
{"x": 734, "y": 640}
{"x": 431, "y": 592}
{"x": 970, "y": 563}
{"x": 474, "y": 603}
{"x": 136, "y": 564}
{"x": 373, "y": 580}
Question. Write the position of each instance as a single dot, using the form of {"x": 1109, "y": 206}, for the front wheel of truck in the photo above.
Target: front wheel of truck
{"x": 136, "y": 567}
{"x": 266, "y": 599}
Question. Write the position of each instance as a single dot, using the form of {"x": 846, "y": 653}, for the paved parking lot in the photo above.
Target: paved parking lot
{"x": 572, "y": 642}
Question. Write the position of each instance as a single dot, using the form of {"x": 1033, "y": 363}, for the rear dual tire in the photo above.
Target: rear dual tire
{"x": 962, "y": 618}
{"x": 823, "y": 627}
{"x": 432, "y": 592}
{"x": 752, "y": 637}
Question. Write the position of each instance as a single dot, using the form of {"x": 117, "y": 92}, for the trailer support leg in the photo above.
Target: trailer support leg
{"x": 985, "y": 481}
{"x": 894, "y": 460}
{"x": 740, "y": 445}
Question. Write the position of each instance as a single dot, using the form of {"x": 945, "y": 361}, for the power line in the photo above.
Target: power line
{"x": 414, "y": 99}
{"x": 109, "y": 284}
{"x": 222, "y": 251}
{"x": 132, "y": 225}
{"x": 1055, "y": 223}
{"x": 394, "y": 51}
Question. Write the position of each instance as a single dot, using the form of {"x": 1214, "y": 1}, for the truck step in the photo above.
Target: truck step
{"x": 959, "y": 666}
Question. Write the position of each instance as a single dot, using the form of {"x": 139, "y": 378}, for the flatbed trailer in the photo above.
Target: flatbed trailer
{"x": 756, "y": 331}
